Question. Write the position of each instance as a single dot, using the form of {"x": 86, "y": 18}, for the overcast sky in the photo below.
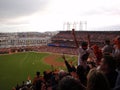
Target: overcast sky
{"x": 52, "y": 15}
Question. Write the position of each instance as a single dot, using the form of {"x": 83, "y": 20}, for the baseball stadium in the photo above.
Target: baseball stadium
{"x": 23, "y": 55}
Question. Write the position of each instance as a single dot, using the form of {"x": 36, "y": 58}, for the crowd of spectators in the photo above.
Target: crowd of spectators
{"x": 104, "y": 78}
{"x": 97, "y": 37}
{"x": 63, "y": 42}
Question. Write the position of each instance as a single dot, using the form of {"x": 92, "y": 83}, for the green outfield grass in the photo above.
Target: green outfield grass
{"x": 68, "y": 58}
{"x": 15, "y": 68}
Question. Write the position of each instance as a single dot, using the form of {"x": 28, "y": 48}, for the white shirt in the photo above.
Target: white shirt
{"x": 81, "y": 52}
{"x": 116, "y": 53}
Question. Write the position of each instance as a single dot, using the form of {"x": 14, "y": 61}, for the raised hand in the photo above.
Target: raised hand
{"x": 63, "y": 56}
{"x": 88, "y": 39}
{"x": 75, "y": 39}
{"x": 73, "y": 31}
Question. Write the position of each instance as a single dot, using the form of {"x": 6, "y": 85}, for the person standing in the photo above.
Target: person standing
{"x": 116, "y": 53}
{"x": 83, "y": 49}
{"x": 108, "y": 48}
{"x": 37, "y": 82}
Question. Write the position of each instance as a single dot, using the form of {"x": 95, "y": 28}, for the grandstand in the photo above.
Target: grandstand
{"x": 65, "y": 38}
{"x": 48, "y": 42}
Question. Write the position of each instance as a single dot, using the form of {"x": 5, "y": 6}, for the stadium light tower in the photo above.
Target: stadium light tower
{"x": 74, "y": 25}
{"x": 68, "y": 25}
{"x": 81, "y": 25}
{"x": 64, "y": 26}
{"x": 85, "y": 25}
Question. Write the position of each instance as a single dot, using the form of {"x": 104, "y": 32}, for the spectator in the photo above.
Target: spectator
{"x": 116, "y": 52}
{"x": 70, "y": 83}
{"x": 37, "y": 82}
{"x": 83, "y": 69}
{"x": 83, "y": 49}
{"x": 117, "y": 85}
{"x": 98, "y": 54}
{"x": 108, "y": 48}
{"x": 70, "y": 68}
{"x": 96, "y": 80}
{"x": 108, "y": 66}
{"x": 91, "y": 65}
{"x": 17, "y": 87}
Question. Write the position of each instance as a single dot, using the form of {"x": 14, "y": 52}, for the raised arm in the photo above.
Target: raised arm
{"x": 74, "y": 37}
{"x": 88, "y": 40}
{"x": 69, "y": 68}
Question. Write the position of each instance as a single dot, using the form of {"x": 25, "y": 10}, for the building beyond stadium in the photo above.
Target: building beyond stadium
{"x": 8, "y": 40}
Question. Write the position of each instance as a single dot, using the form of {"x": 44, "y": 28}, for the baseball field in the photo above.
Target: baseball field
{"x": 15, "y": 68}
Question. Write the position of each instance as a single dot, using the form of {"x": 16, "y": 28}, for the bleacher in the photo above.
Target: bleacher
{"x": 65, "y": 38}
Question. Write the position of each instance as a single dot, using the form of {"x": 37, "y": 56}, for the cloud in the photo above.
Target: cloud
{"x": 18, "y": 8}
{"x": 41, "y": 15}
{"x": 99, "y": 7}
{"x": 103, "y": 11}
